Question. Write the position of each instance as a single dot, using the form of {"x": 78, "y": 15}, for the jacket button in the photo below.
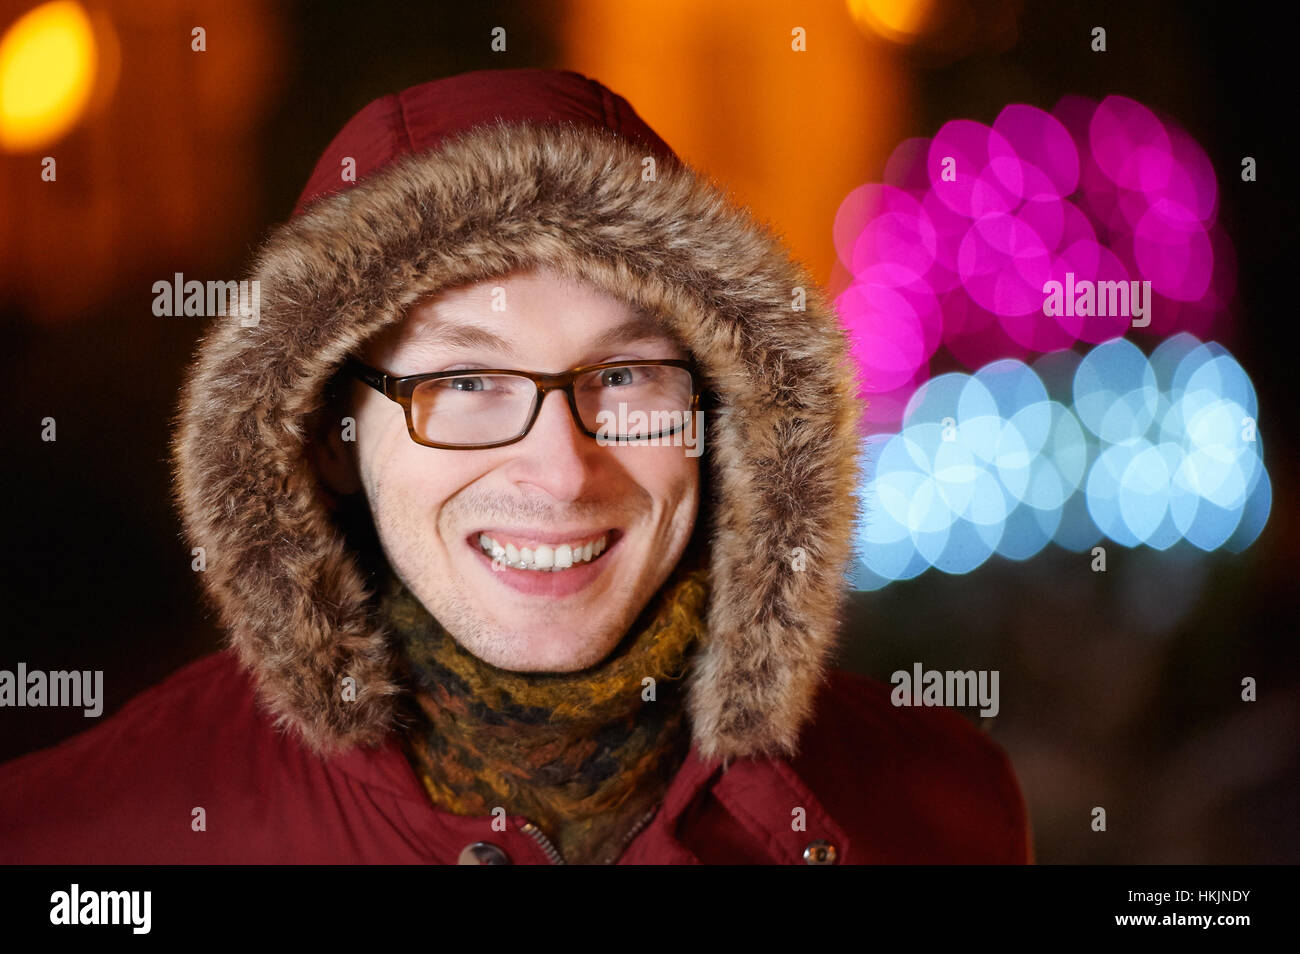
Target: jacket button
{"x": 820, "y": 853}
{"x": 483, "y": 853}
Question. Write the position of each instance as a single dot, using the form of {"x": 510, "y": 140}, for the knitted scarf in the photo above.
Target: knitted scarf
{"x": 586, "y": 756}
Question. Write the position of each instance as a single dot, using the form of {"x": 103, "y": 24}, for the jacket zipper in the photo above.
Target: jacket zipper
{"x": 552, "y": 853}
{"x": 636, "y": 830}
{"x": 543, "y": 842}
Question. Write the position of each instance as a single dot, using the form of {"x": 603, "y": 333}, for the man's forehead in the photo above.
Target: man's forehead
{"x": 438, "y": 329}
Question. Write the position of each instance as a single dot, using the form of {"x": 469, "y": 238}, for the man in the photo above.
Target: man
{"x": 493, "y": 594}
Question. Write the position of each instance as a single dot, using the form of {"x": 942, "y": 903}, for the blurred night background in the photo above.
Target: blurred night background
{"x": 1120, "y": 689}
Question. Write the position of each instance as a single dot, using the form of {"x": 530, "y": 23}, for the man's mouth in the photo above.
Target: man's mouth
{"x": 525, "y": 551}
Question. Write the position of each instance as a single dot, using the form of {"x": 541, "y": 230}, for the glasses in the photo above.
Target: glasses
{"x": 476, "y": 409}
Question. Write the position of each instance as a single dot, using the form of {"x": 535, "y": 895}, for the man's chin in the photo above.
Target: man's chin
{"x": 550, "y": 652}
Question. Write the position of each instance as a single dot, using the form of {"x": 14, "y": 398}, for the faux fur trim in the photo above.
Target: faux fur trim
{"x": 782, "y": 446}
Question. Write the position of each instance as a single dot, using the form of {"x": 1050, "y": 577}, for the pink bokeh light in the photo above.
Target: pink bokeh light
{"x": 955, "y": 248}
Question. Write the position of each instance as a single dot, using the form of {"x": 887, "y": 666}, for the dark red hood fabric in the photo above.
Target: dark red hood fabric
{"x": 423, "y": 116}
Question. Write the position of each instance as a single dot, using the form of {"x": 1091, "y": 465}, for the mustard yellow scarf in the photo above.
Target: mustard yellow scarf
{"x": 586, "y": 756}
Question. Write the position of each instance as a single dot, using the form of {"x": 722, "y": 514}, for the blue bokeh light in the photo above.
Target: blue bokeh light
{"x": 1073, "y": 450}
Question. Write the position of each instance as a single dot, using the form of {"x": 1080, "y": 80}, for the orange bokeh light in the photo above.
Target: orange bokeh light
{"x": 48, "y": 62}
{"x": 786, "y": 104}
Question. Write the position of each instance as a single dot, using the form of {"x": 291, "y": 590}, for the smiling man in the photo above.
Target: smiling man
{"x": 520, "y": 533}
{"x": 484, "y": 604}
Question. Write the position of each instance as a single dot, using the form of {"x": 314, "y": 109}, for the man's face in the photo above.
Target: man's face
{"x": 557, "y": 488}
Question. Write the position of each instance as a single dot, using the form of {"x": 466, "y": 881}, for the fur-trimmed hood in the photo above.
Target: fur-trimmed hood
{"x": 504, "y": 193}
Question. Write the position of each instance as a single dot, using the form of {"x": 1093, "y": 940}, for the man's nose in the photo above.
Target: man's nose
{"x": 556, "y": 456}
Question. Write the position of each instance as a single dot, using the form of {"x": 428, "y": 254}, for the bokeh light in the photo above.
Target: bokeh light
{"x": 1070, "y": 450}
{"x": 961, "y": 245}
{"x": 48, "y": 62}
{"x": 939, "y": 31}
{"x": 897, "y": 20}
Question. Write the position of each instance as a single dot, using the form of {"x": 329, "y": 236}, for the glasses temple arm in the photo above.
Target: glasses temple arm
{"x": 368, "y": 375}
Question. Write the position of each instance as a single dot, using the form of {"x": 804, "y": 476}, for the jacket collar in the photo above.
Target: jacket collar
{"x": 761, "y": 794}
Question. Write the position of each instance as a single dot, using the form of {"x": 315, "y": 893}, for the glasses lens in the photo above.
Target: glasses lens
{"x": 473, "y": 409}
{"x": 636, "y": 401}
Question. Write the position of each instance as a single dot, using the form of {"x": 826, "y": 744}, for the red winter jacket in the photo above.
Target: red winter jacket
{"x": 458, "y": 181}
{"x": 877, "y": 783}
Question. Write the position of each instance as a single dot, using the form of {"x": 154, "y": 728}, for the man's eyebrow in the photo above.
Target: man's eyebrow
{"x": 640, "y": 327}
{"x": 466, "y": 336}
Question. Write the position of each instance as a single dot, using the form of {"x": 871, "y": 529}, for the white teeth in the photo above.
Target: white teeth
{"x": 544, "y": 558}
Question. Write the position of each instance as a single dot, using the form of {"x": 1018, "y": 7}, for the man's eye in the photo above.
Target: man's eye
{"x": 465, "y": 384}
{"x": 619, "y": 377}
